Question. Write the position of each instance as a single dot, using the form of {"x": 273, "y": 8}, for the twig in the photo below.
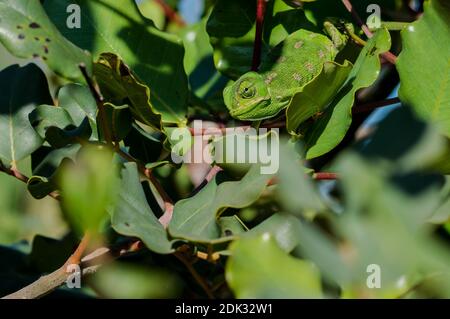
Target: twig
{"x": 23, "y": 178}
{"x": 348, "y": 5}
{"x": 95, "y": 91}
{"x": 212, "y": 172}
{"x": 199, "y": 279}
{"x": 171, "y": 15}
{"x": 367, "y": 107}
{"x": 89, "y": 264}
{"x": 260, "y": 11}
{"x": 325, "y": 176}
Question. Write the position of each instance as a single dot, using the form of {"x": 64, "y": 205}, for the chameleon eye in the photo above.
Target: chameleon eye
{"x": 247, "y": 90}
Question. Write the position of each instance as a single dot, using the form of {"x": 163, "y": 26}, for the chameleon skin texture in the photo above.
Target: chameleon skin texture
{"x": 285, "y": 71}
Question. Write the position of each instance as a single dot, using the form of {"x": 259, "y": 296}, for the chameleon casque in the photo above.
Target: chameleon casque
{"x": 288, "y": 67}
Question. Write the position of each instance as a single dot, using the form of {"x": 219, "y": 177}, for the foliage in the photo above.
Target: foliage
{"x": 92, "y": 117}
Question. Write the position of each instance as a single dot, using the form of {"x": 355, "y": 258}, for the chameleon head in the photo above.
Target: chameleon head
{"x": 248, "y": 98}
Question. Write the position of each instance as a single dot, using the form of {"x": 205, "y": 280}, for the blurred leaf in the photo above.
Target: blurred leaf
{"x": 27, "y": 32}
{"x": 282, "y": 227}
{"x": 130, "y": 281}
{"x": 204, "y": 79}
{"x": 45, "y": 116}
{"x": 155, "y": 57}
{"x": 258, "y": 268}
{"x": 296, "y": 191}
{"x": 153, "y": 11}
{"x": 19, "y": 139}
{"x": 133, "y": 216}
{"x": 424, "y": 65}
{"x": 308, "y": 103}
{"x": 331, "y": 127}
{"x": 195, "y": 218}
{"x": 88, "y": 188}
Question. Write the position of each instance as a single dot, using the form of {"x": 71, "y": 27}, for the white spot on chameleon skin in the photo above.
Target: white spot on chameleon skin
{"x": 281, "y": 59}
{"x": 298, "y": 44}
{"x": 309, "y": 66}
{"x": 270, "y": 78}
{"x": 411, "y": 28}
{"x": 313, "y": 35}
{"x": 321, "y": 54}
{"x": 297, "y": 77}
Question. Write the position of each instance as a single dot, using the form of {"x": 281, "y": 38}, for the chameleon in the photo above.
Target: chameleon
{"x": 288, "y": 67}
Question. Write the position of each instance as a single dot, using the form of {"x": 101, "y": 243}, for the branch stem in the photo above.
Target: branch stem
{"x": 260, "y": 11}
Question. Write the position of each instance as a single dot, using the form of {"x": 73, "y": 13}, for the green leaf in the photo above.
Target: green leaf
{"x": 119, "y": 84}
{"x": 259, "y": 268}
{"x": 126, "y": 280}
{"x": 45, "y": 116}
{"x": 133, "y": 216}
{"x": 195, "y": 218}
{"x": 331, "y": 127}
{"x": 307, "y": 103}
{"x": 295, "y": 190}
{"x": 231, "y": 226}
{"x": 424, "y": 65}
{"x": 283, "y": 228}
{"x": 118, "y": 27}
{"x": 119, "y": 120}
{"x": 143, "y": 145}
{"x": 23, "y": 88}
{"x": 78, "y": 101}
{"x": 27, "y": 32}
{"x": 88, "y": 188}
{"x": 204, "y": 79}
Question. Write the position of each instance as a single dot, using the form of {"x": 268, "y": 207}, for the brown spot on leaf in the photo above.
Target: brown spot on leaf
{"x": 44, "y": 58}
{"x": 46, "y": 49}
{"x": 21, "y": 36}
{"x": 36, "y": 38}
{"x": 19, "y": 27}
{"x": 47, "y": 40}
{"x": 35, "y": 55}
{"x": 34, "y": 25}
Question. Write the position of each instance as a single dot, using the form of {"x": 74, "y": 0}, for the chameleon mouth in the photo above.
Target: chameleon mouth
{"x": 239, "y": 111}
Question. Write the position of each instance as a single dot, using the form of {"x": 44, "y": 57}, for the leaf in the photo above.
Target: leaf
{"x": 45, "y": 116}
{"x": 195, "y": 218}
{"x": 296, "y": 191}
{"x": 424, "y": 65}
{"x": 143, "y": 145}
{"x": 78, "y": 101}
{"x": 231, "y": 226}
{"x": 133, "y": 281}
{"x": 133, "y": 216}
{"x": 88, "y": 188}
{"x": 331, "y": 127}
{"x": 155, "y": 57}
{"x": 19, "y": 139}
{"x": 308, "y": 103}
{"x": 27, "y": 32}
{"x": 119, "y": 84}
{"x": 282, "y": 227}
{"x": 259, "y": 268}
{"x": 204, "y": 80}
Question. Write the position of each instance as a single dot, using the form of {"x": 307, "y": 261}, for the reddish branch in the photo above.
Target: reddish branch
{"x": 257, "y": 44}
{"x": 171, "y": 14}
{"x": 348, "y": 5}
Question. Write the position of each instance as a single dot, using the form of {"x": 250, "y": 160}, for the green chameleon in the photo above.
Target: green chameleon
{"x": 288, "y": 68}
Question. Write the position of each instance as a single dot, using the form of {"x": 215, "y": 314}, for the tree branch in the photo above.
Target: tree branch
{"x": 170, "y": 14}
{"x": 89, "y": 264}
{"x": 389, "y": 56}
{"x": 260, "y": 11}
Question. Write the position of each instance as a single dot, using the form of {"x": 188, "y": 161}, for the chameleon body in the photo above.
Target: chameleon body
{"x": 286, "y": 70}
